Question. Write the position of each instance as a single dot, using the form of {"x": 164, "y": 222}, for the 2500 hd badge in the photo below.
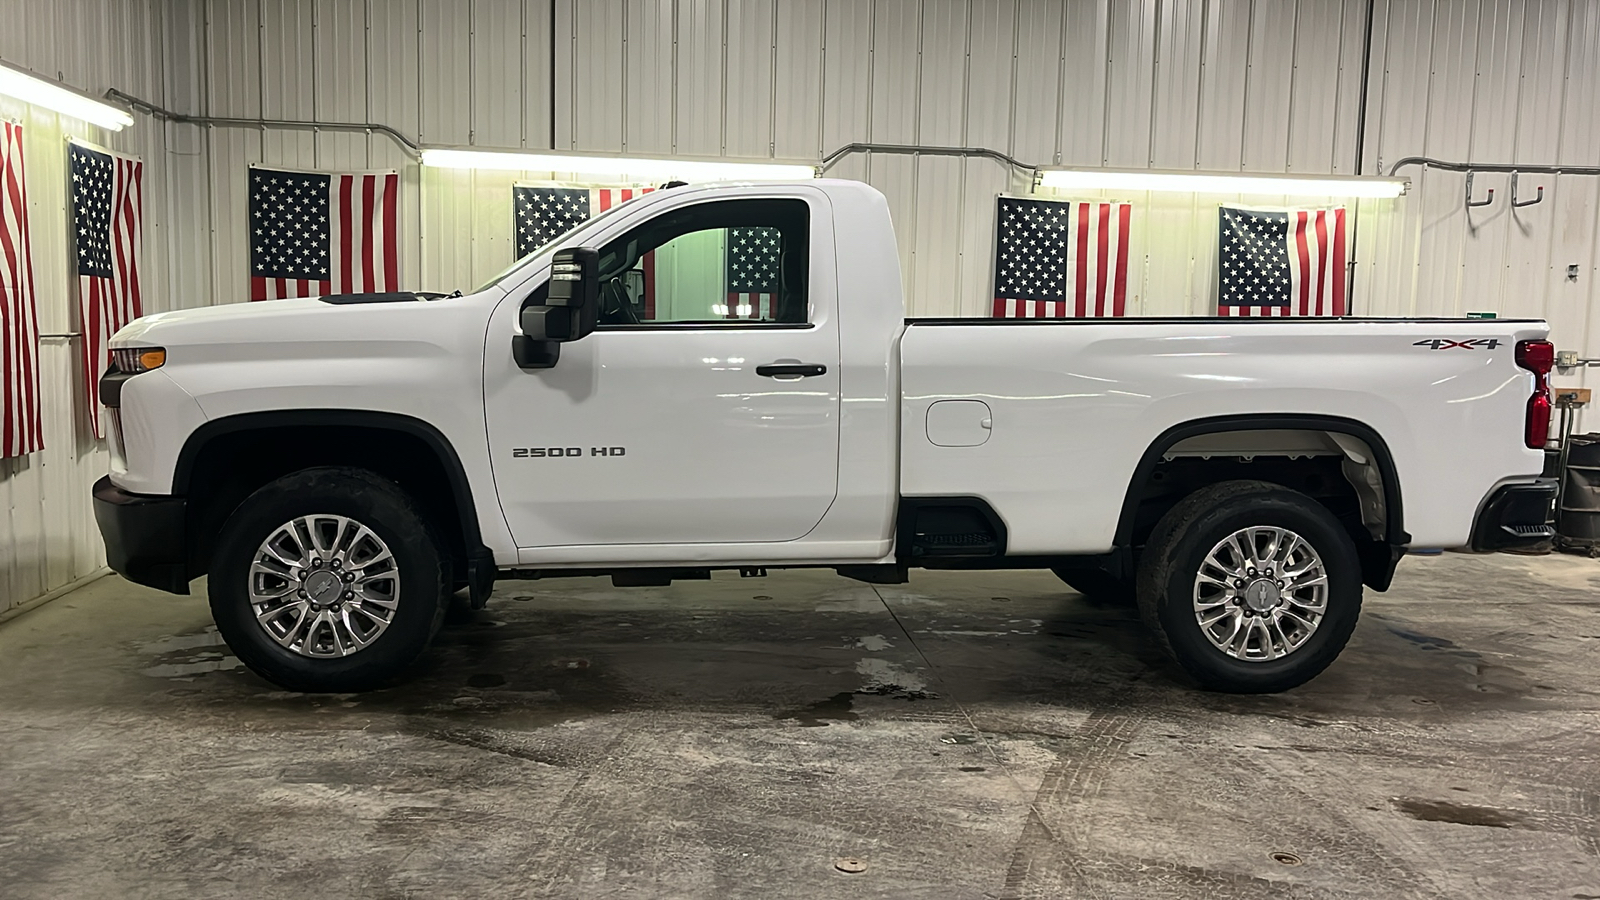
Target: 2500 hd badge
{"x": 544, "y": 452}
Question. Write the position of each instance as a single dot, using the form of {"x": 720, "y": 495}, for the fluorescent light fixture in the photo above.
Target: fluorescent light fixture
{"x": 696, "y": 169}
{"x": 1221, "y": 182}
{"x": 28, "y": 88}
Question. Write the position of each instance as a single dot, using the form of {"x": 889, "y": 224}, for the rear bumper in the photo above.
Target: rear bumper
{"x": 144, "y": 536}
{"x": 1516, "y": 515}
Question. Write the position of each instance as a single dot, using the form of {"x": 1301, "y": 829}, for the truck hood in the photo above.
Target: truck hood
{"x": 305, "y": 322}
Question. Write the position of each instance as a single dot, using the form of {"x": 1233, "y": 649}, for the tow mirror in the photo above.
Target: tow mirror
{"x": 570, "y": 312}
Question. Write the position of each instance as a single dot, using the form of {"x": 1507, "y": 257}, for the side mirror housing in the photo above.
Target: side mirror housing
{"x": 571, "y": 310}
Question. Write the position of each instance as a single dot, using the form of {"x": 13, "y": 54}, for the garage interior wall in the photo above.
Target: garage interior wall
{"x": 48, "y": 539}
{"x": 1249, "y": 85}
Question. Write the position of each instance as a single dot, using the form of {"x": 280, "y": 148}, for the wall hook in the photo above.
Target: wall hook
{"x": 1514, "y": 203}
{"x": 1472, "y": 203}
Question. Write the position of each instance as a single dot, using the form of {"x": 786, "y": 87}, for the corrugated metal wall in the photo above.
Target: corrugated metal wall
{"x": 1253, "y": 85}
{"x": 48, "y": 537}
{"x": 1488, "y": 80}
{"x": 1264, "y": 86}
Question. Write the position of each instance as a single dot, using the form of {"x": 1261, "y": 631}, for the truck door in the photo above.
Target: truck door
{"x": 705, "y": 407}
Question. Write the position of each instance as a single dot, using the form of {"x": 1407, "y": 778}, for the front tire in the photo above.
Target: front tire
{"x": 1251, "y": 587}
{"x": 328, "y": 580}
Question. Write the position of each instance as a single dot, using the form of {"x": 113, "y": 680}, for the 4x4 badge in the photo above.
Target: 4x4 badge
{"x": 1447, "y": 344}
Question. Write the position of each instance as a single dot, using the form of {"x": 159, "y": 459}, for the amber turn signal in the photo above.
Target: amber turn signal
{"x": 134, "y": 360}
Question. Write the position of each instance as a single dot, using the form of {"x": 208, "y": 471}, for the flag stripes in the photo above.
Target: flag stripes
{"x": 750, "y": 306}
{"x": 1061, "y": 259}
{"x": 20, "y": 427}
{"x": 108, "y": 211}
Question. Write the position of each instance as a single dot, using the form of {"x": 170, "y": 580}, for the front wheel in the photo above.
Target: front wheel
{"x": 327, "y": 579}
{"x": 1252, "y": 587}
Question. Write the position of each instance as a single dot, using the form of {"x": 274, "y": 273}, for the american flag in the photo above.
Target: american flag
{"x": 1058, "y": 259}
{"x": 313, "y": 234}
{"x": 752, "y": 255}
{"x": 544, "y": 213}
{"x": 108, "y": 217}
{"x": 1281, "y": 263}
{"x": 20, "y": 428}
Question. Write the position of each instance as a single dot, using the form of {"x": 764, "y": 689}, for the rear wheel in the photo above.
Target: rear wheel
{"x": 1252, "y": 587}
{"x": 327, "y": 580}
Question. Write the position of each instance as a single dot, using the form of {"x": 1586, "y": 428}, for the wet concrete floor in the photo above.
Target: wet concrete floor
{"x": 966, "y": 735}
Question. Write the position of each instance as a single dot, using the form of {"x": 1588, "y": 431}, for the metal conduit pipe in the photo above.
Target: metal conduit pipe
{"x": 921, "y": 150}
{"x": 1431, "y": 163}
{"x": 404, "y": 142}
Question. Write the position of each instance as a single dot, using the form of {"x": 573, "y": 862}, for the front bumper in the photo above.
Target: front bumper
{"x": 144, "y": 536}
{"x": 1517, "y": 515}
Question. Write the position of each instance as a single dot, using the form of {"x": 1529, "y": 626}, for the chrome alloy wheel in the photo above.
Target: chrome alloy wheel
{"x": 1261, "y": 593}
{"x": 324, "y": 585}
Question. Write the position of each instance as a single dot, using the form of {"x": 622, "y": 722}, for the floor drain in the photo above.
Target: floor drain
{"x": 1287, "y": 858}
{"x": 850, "y": 864}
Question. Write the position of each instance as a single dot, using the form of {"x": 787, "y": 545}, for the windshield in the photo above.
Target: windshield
{"x": 575, "y": 236}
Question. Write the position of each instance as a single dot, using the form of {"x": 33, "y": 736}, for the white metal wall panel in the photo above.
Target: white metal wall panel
{"x": 444, "y": 81}
{"x": 1085, "y": 45}
{"x": 701, "y": 74}
{"x": 1179, "y": 53}
{"x": 846, "y": 79}
{"x": 896, "y": 71}
{"x": 797, "y": 80}
{"x": 339, "y": 84}
{"x": 595, "y": 75}
{"x": 1034, "y": 106}
{"x": 496, "y": 60}
{"x": 1267, "y": 90}
{"x": 1313, "y": 135}
{"x": 647, "y": 107}
{"x": 1130, "y": 72}
{"x": 1219, "y": 135}
{"x": 751, "y": 45}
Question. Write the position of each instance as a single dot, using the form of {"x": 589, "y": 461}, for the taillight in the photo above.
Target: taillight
{"x": 1537, "y": 357}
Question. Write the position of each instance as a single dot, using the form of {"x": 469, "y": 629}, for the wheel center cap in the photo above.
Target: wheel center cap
{"x": 1261, "y": 595}
{"x": 322, "y": 587}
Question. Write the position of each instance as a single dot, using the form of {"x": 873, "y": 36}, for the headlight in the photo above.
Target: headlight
{"x": 134, "y": 360}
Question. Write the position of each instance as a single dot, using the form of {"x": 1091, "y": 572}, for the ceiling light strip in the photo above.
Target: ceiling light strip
{"x": 1221, "y": 183}
{"x": 30, "y": 88}
{"x": 618, "y": 166}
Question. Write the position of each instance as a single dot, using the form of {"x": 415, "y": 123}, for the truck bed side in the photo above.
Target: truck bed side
{"x": 1074, "y": 405}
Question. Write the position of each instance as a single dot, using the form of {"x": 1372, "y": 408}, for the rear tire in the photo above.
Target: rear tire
{"x": 1251, "y": 587}
{"x": 1098, "y": 585}
{"x": 328, "y": 580}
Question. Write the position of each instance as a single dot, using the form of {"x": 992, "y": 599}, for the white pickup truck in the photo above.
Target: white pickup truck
{"x": 723, "y": 377}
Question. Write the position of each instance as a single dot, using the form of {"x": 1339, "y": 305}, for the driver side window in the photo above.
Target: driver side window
{"x": 730, "y": 262}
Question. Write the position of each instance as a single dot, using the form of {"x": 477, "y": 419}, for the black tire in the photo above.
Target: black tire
{"x": 1098, "y": 585}
{"x": 1179, "y": 545}
{"x": 380, "y": 505}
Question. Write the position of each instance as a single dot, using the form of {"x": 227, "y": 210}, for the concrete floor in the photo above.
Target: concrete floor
{"x": 966, "y": 735}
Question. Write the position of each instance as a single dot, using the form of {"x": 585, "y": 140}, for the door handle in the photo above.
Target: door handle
{"x": 791, "y": 370}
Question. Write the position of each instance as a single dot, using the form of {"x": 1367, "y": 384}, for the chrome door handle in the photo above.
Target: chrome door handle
{"x": 791, "y": 370}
